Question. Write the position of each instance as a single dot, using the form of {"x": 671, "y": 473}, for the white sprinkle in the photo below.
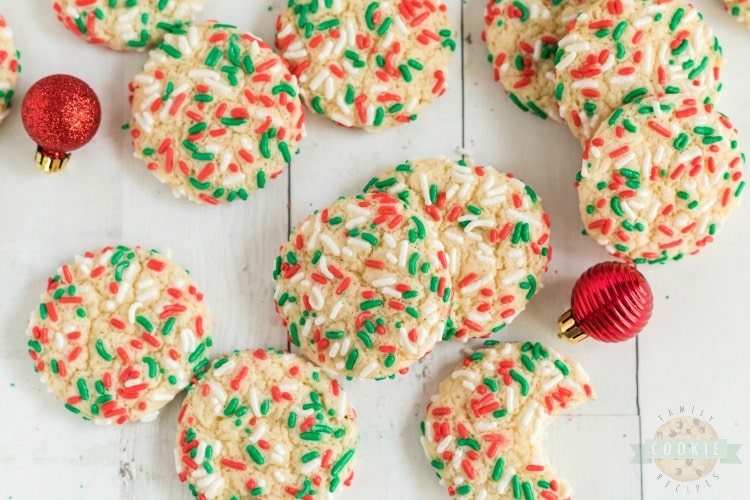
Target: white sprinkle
{"x": 444, "y": 443}
{"x": 330, "y": 245}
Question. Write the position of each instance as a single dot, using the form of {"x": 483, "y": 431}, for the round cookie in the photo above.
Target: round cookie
{"x": 9, "y": 68}
{"x": 484, "y": 428}
{"x": 367, "y": 64}
{"x": 125, "y": 24}
{"x": 495, "y": 234}
{"x": 215, "y": 114}
{"x": 363, "y": 286}
{"x": 119, "y": 333}
{"x": 618, "y": 51}
{"x": 265, "y": 424}
{"x": 522, "y": 40}
{"x": 739, "y": 9}
{"x": 659, "y": 179}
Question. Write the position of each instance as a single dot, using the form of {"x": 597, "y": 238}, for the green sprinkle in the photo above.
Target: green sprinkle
{"x": 83, "y": 390}
{"x": 676, "y": 18}
{"x": 562, "y": 367}
{"x": 527, "y": 491}
{"x": 522, "y": 381}
{"x": 491, "y": 384}
{"x": 213, "y": 57}
{"x": 285, "y": 88}
{"x": 616, "y": 207}
{"x": 680, "y": 48}
{"x": 351, "y": 360}
{"x": 497, "y": 470}
{"x": 413, "y": 263}
{"x": 369, "y": 304}
{"x": 464, "y": 489}
{"x": 634, "y": 94}
{"x": 265, "y": 407}
{"x": 231, "y": 406}
{"x": 471, "y": 443}
{"x": 366, "y": 340}
{"x": 341, "y": 463}
{"x": 145, "y": 323}
{"x": 102, "y": 351}
{"x": 517, "y": 102}
{"x": 559, "y": 91}
{"x": 405, "y": 72}
{"x": 524, "y": 10}
{"x": 152, "y": 366}
{"x": 311, "y": 436}
{"x": 619, "y": 29}
{"x": 681, "y": 142}
{"x": 369, "y": 238}
{"x": 170, "y": 50}
{"x": 72, "y": 408}
{"x": 255, "y": 455}
{"x": 527, "y": 363}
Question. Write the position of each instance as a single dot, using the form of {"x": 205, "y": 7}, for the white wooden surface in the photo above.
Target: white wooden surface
{"x": 692, "y": 354}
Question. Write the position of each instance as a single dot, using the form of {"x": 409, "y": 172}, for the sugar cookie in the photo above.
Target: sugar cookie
{"x": 617, "y": 51}
{"x": 119, "y": 333}
{"x": 363, "y": 286}
{"x": 215, "y": 114}
{"x": 125, "y": 24}
{"x": 659, "y": 179}
{"x": 265, "y": 424}
{"x": 367, "y": 64}
{"x": 495, "y": 234}
{"x": 484, "y": 428}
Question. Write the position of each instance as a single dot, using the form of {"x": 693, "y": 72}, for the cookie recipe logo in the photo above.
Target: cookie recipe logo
{"x": 686, "y": 449}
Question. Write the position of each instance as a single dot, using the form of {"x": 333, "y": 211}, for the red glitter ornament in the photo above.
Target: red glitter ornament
{"x": 61, "y": 113}
{"x": 611, "y": 302}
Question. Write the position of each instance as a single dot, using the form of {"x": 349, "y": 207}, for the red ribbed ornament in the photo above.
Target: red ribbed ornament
{"x": 611, "y": 302}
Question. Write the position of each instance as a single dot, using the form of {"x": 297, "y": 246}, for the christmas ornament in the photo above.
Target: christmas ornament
{"x": 60, "y": 113}
{"x": 611, "y": 302}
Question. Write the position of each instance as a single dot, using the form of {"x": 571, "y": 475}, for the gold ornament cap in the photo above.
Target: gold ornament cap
{"x": 569, "y": 328}
{"x": 50, "y": 162}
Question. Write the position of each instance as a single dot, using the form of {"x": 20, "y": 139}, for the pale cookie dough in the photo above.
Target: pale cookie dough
{"x": 215, "y": 114}
{"x": 495, "y": 234}
{"x": 618, "y": 51}
{"x": 484, "y": 428}
{"x": 739, "y": 9}
{"x": 367, "y": 64}
{"x": 659, "y": 179}
{"x": 363, "y": 286}
{"x": 9, "y": 68}
{"x": 265, "y": 424}
{"x": 126, "y": 24}
{"x": 119, "y": 333}
{"x": 522, "y": 39}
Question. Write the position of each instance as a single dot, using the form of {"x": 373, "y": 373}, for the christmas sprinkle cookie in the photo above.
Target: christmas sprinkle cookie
{"x": 125, "y": 24}
{"x": 265, "y": 424}
{"x": 495, "y": 234}
{"x": 659, "y": 179}
{"x": 484, "y": 428}
{"x": 215, "y": 114}
{"x": 739, "y": 9}
{"x": 522, "y": 39}
{"x": 618, "y": 51}
{"x": 363, "y": 286}
{"x": 9, "y": 68}
{"x": 367, "y": 64}
{"x": 119, "y": 333}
